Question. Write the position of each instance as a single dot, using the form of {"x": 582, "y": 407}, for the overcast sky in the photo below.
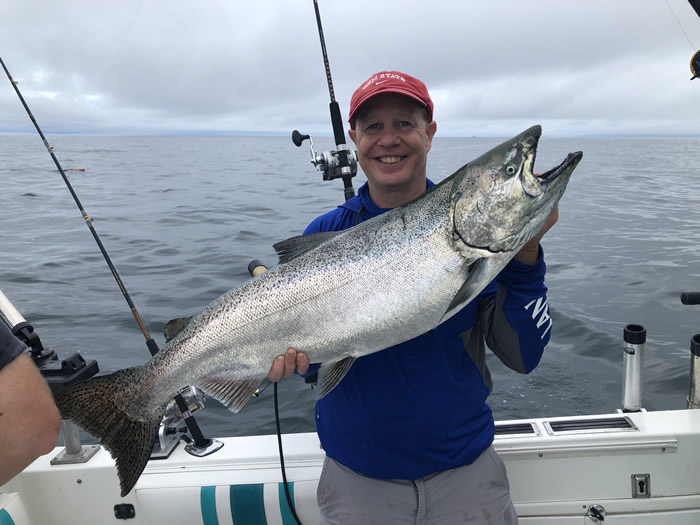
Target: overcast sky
{"x": 227, "y": 66}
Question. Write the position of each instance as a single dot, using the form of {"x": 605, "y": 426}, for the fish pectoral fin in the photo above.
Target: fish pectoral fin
{"x": 481, "y": 273}
{"x": 232, "y": 392}
{"x": 470, "y": 288}
{"x": 174, "y": 327}
{"x": 330, "y": 375}
{"x": 460, "y": 300}
{"x": 296, "y": 246}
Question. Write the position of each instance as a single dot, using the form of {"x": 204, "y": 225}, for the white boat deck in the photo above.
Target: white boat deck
{"x": 556, "y": 475}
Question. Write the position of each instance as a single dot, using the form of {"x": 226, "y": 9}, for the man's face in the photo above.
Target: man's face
{"x": 393, "y": 138}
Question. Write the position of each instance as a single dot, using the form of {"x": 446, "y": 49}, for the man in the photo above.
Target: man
{"x": 407, "y": 432}
{"x": 29, "y": 419}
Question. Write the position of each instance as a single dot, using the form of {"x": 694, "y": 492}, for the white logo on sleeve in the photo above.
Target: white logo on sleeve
{"x": 541, "y": 309}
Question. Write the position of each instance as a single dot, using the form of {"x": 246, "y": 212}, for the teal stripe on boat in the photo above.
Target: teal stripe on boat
{"x": 5, "y": 518}
{"x": 247, "y": 504}
{"x": 287, "y": 516}
{"x": 207, "y": 500}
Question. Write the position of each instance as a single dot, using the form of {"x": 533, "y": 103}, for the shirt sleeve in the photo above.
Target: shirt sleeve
{"x": 514, "y": 315}
{"x": 10, "y": 346}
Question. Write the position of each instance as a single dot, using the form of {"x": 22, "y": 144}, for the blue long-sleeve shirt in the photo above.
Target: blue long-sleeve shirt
{"x": 10, "y": 346}
{"x": 420, "y": 407}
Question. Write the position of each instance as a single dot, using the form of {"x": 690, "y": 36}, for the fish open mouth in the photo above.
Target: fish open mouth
{"x": 569, "y": 162}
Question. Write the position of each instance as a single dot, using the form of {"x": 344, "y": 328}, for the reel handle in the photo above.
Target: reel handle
{"x": 298, "y": 138}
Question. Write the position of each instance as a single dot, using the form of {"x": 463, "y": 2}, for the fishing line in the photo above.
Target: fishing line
{"x": 284, "y": 474}
{"x": 150, "y": 343}
{"x": 679, "y": 25}
{"x": 253, "y": 269}
{"x": 88, "y": 221}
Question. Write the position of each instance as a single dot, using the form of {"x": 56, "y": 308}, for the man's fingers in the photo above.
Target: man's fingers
{"x": 302, "y": 362}
{"x": 277, "y": 369}
{"x": 290, "y": 360}
{"x": 553, "y": 216}
{"x": 284, "y": 365}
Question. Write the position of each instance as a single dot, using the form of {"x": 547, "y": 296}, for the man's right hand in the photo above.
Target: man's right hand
{"x": 284, "y": 365}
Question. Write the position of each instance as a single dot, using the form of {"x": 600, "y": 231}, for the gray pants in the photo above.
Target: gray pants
{"x": 474, "y": 494}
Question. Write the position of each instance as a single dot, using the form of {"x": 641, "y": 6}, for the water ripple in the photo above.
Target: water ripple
{"x": 181, "y": 218}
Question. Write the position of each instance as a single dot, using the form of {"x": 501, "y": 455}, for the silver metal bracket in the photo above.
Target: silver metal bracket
{"x": 167, "y": 441}
{"x": 596, "y": 513}
{"x": 168, "y": 436}
{"x": 74, "y": 452}
{"x": 641, "y": 485}
{"x": 200, "y": 452}
{"x": 83, "y": 456}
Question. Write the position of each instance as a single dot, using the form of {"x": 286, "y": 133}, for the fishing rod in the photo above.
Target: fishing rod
{"x": 341, "y": 163}
{"x": 192, "y": 425}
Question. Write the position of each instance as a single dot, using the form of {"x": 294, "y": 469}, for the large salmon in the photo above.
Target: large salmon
{"x": 394, "y": 277}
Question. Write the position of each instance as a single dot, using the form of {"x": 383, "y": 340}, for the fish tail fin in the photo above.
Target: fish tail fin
{"x": 97, "y": 407}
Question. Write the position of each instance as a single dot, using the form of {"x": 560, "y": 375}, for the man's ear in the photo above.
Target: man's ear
{"x": 352, "y": 134}
{"x": 430, "y": 129}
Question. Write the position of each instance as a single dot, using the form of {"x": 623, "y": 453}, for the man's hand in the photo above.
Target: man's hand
{"x": 284, "y": 365}
{"x": 529, "y": 253}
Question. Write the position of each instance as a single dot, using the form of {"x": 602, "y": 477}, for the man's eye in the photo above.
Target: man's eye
{"x": 404, "y": 124}
{"x": 373, "y": 126}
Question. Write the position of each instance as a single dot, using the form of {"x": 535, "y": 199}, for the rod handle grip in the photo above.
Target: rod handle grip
{"x": 255, "y": 268}
{"x": 690, "y": 298}
{"x": 337, "y": 121}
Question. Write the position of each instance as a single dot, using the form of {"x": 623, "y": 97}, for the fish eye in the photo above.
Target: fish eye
{"x": 510, "y": 169}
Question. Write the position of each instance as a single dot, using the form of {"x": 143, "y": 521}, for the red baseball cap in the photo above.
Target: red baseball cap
{"x": 390, "y": 82}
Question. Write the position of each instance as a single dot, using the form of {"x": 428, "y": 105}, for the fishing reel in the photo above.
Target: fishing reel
{"x": 340, "y": 164}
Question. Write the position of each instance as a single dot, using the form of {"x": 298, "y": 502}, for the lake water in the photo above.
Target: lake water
{"x": 181, "y": 218}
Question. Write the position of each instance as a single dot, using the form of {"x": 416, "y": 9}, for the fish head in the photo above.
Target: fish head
{"x": 499, "y": 203}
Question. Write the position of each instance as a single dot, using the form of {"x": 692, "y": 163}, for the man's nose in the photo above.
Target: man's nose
{"x": 389, "y": 136}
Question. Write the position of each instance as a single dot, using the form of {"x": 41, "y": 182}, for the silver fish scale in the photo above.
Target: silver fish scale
{"x": 383, "y": 282}
{"x": 373, "y": 286}
{"x": 342, "y": 298}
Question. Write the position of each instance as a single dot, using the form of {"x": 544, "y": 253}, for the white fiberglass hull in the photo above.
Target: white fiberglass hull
{"x": 558, "y": 469}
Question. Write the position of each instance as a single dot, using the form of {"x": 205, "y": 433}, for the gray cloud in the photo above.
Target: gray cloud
{"x": 225, "y": 66}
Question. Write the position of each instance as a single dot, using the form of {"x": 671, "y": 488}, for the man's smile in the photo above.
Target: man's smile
{"x": 390, "y": 160}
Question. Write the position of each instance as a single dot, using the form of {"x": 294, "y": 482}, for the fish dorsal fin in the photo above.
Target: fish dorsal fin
{"x": 174, "y": 327}
{"x": 230, "y": 391}
{"x": 330, "y": 375}
{"x": 296, "y": 246}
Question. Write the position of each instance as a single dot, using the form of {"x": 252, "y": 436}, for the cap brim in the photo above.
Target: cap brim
{"x": 394, "y": 90}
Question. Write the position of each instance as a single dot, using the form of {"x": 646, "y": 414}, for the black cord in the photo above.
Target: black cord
{"x": 284, "y": 474}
